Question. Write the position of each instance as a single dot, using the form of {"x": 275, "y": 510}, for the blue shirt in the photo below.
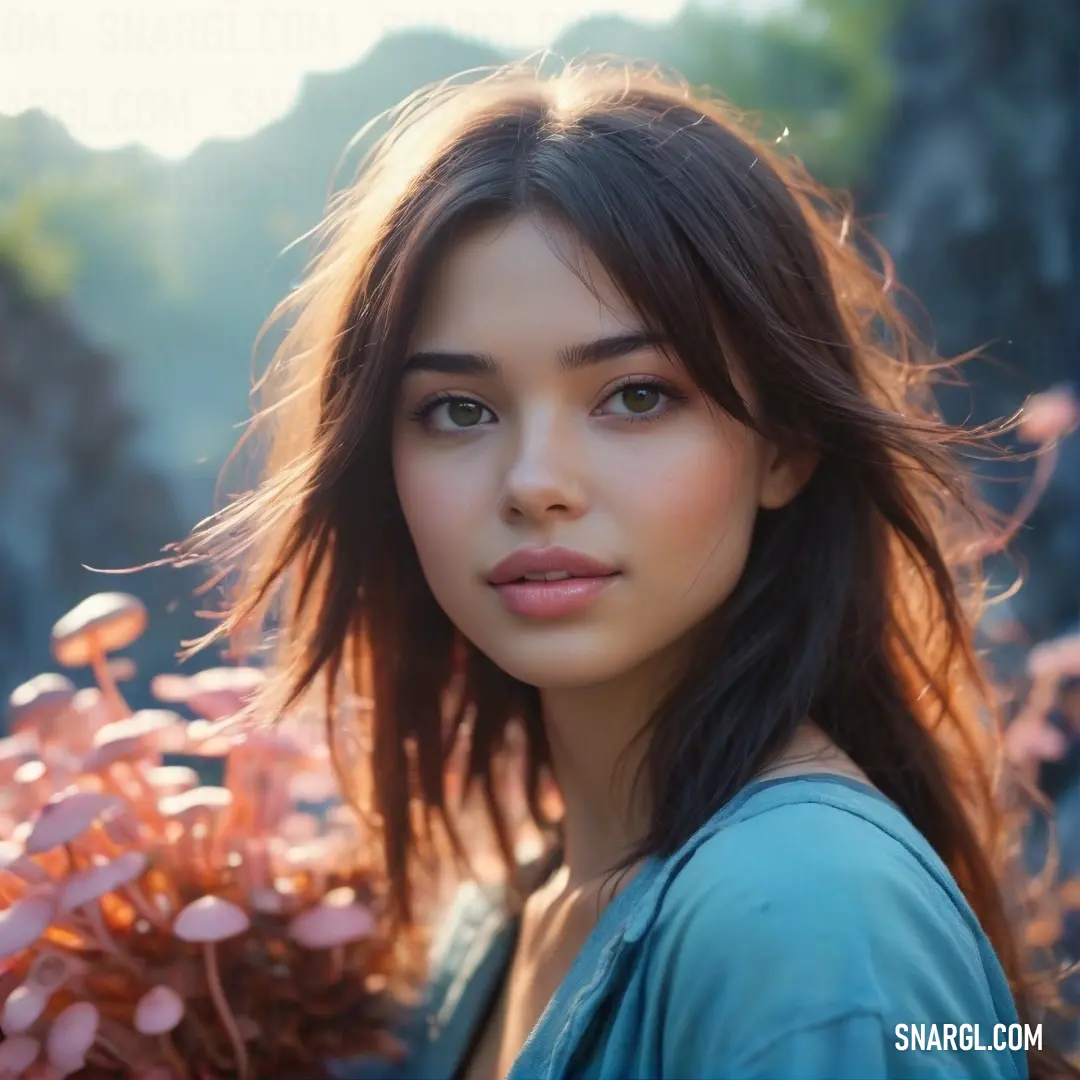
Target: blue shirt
{"x": 791, "y": 936}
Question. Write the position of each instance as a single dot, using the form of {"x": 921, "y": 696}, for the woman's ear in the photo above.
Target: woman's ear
{"x": 786, "y": 473}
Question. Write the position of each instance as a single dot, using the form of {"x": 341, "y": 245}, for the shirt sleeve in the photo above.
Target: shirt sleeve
{"x": 796, "y": 953}
{"x": 846, "y": 1047}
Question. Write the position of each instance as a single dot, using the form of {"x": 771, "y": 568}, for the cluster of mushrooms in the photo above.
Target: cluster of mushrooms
{"x": 157, "y": 927}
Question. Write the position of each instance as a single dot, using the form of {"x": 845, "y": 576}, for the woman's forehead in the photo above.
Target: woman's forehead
{"x": 519, "y": 277}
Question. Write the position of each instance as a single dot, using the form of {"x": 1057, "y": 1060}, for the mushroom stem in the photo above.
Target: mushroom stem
{"x": 100, "y": 666}
{"x": 217, "y": 995}
{"x": 111, "y": 1048}
{"x": 337, "y": 964}
{"x": 205, "y": 1039}
{"x": 172, "y": 1058}
{"x": 105, "y": 941}
{"x": 143, "y": 906}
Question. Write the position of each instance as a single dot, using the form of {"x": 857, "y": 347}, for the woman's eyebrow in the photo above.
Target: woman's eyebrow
{"x": 570, "y": 358}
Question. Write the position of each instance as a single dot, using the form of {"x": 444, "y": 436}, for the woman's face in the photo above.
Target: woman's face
{"x": 535, "y": 416}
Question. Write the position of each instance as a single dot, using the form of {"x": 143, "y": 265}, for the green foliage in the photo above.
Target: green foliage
{"x": 818, "y": 71}
{"x": 46, "y": 264}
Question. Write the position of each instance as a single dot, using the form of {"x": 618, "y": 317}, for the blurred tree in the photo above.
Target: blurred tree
{"x": 816, "y": 71}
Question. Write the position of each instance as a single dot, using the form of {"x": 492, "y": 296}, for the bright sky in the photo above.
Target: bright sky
{"x": 170, "y": 73}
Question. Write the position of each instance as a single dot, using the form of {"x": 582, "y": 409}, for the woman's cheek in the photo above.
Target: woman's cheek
{"x": 440, "y": 504}
{"x": 694, "y": 509}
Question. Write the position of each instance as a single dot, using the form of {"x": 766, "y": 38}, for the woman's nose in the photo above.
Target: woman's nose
{"x": 545, "y": 476}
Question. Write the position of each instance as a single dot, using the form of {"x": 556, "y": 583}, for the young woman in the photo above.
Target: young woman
{"x": 595, "y": 420}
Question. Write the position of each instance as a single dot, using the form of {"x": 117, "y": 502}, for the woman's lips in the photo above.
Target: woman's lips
{"x": 552, "y": 599}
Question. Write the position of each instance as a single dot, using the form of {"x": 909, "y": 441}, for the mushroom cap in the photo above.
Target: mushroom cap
{"x": 103, "y": 622}
{"x": 159, "y": 1010}
{"x": 18, "y": 747}
{"x": 85, "y": 885}
{"x": 101, "y": 757}
{"x": 171, "y": 687}
{"x": 65, "y": 817}
{"x": 298, "y": 827}
{"x": 223, "y": 692}
{"x": 210, "y": 919}
{"x": 335, "y": 920}
{"x": 89, "y": 702}
{"x": 22, "y": 1008}
{"x": 143, "y": 724}
{"x": 239, "y": 679}
{"x": 29, "y": 772}
{"x": 1058, "y": 658}
{"x": 71, "y": 1034}
{"x": 172, "y": 779}
{"x": 24, "y": 922}
{"x": 14, "y": 859}
{"x": 314, "y": 786}
{"x": 1049, "y": 415}
{"x": 40, "y": 701}
{"x": 208, "y": 798}
{"x": 18, "y": 1053}
{"x": 207, "y": 739}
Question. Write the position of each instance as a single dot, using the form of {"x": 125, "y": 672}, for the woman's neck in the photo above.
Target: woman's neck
{"x": 596, "y": 758}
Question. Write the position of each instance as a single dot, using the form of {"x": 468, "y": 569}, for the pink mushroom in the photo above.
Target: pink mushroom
{"x": 17, "y": 871}
{"x": 125, "y": 871}
{"x": 337, "y": 920}
{"x": 40, "y": 705}
{"x": 64, "y": 818}
{"x": 14, "y": 750}
{"x": 172, "y": 779}
{"x": 215, "y": 693}
{"x": 313, "y": 786}
{"x": 48, "y": 973}
{"x": 14, "y": 860}
{"x": 207, "y": 738}
{"x": 170, "y": 688}
{"x": 205, "y": 922}
{"x": 90, "y": 704}
{"x": 101, "y": 624}
{"x": 83, "y": 890}
{"x": 24, "y": 922}
{"x": 159, "y": 1010}
{"x": 1049, "y": 415}
{"x": 34, "y": 783}
{"x": 22, "y": 1007}
{"x": 201, "y": 812}
{"x": 70, "y": 1036}
{"x": 17, "y": 1054}
{"x": 1056, "y": 659}
{"x": 257, "y": 773}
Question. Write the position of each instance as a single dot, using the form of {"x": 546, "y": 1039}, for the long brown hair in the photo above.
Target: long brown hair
{"x": 858, "y": 600}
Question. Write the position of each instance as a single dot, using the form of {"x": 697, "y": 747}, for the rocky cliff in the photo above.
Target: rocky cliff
{"x": 72, "y": 494}
{"x": 976, "y": 198}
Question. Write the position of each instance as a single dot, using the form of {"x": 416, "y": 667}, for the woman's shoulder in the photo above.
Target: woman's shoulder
{"x": 823, "y": 853}
{"x": 816, "y": 919}
{"x": 824, "y": 831}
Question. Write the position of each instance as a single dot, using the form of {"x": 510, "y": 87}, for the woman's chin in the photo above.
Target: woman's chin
{"x": 552, "y": 665}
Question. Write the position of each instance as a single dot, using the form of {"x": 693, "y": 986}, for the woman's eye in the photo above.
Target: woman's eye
{"x": 454, "y": 414}
{"x": 638, "y": 400}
